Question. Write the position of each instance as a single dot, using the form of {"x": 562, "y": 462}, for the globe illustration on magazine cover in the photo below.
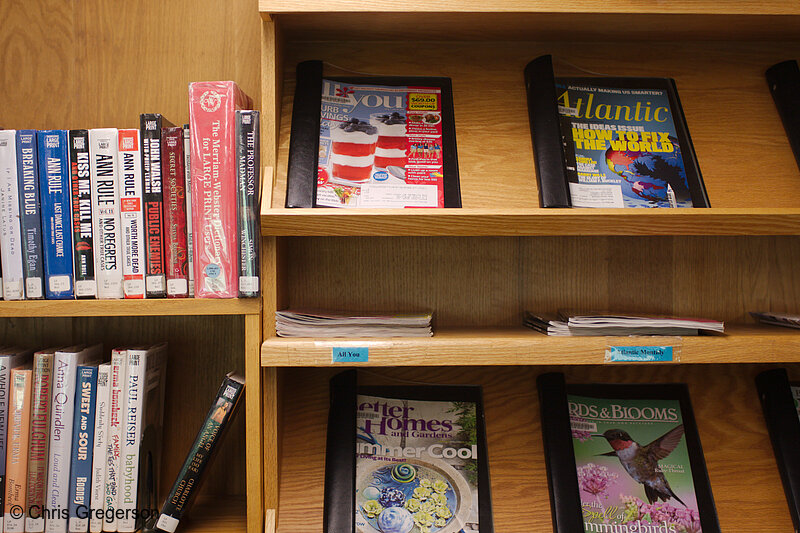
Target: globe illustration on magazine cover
{"x": 647, "y": 176}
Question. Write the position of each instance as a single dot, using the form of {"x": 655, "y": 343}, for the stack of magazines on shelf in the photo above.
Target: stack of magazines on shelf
{"x": 777, "y": 319}
{"x": 572, "y": 325}
{"x": 306, "y": 323}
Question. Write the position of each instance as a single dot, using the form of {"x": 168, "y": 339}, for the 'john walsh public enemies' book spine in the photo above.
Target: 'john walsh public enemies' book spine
{"x": 155, "y": 276}
{"x": 82, "y": 214}
{"x": 248, "y": 193}
{"x": 30, "y": 214}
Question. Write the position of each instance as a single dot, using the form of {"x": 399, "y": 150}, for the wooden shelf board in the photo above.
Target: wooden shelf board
{"x": 516, "y": 222}
{"x": 212, "y": 514}
{"x": 167, "y": 306}
{"x": 729, "y": 419}
{"x": 522, "y": 346}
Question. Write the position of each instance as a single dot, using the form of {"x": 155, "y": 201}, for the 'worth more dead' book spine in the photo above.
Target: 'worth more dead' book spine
{"x": 131, "y": 215}
{"x": 155, "y": 272}
{"x": 248, "y": 172}
{"x": 82, "y": 214}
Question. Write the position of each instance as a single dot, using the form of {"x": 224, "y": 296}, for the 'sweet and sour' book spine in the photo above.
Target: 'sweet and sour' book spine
{"x": 103, "y": 145}
{"x": 131, "y": 215}
{"x": 155, "y": 275}
{"x": 17, "y": 456}
{"x": 248, "y": 182}
{"x": 30, "y": 214}
{"x": 10, "y": 232}
{"x": 80, "y": 478}
{"x": 100, "y": 448}
{"x": 212, "y": 107}
{"x": 55, "y": 198}
{"x": 40, "y": 434}
{"x": 174, "y": 212}
{"x": 187, "y": 162}
{"x": 201, "y": 454}
{"x": 82, "y": 229}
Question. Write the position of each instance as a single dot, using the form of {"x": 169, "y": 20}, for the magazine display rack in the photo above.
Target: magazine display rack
{"x": 479, "y": 267}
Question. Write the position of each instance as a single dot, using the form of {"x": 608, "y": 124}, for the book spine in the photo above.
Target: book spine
{"x": 99, "y": 449}
{"x": 103, "y": 146}
{"x": 174, "y": 212}
{"x": 131, "y": 438}
{"x": 783, "y": 80}
{"x": 301, "y": 176}
{"x": 119, "y": 365}
{"x": 61, "y": 423}
{"x": 10, "y": 231}
{"x": 200, "y": 455}
{"x": 155, "y": 278}
{"x": 80, "y": 478}
{"x": 248, "y": 129}
{"x": 54, "y": 189}
{"x": 82, "y": 217}
{"x": 17, "y": 450}
{"x": 30, "y": 214}
{"x": 5, "y": 392}
{"x": 131, "y": 215}
{"x": 187, "y": 162}
{"x": 40, "y": 433}
{"x": 211, "y": 110}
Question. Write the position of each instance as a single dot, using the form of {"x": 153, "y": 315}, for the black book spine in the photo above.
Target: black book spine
{"x": 155, "y": 273}
{"x": 203, "y": 450}
{"x": 340, "y": 457}
{"x": 301, "y": 179}
{"x": 783, "y": 426}
{"x": 548, "y": 150}
{"x": 82, "y": 233}
{"x": 784, "y": 85}
{"x": 248, "y": 128}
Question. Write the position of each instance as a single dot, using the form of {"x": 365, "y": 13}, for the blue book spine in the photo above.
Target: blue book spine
{"x": 80, "y": 477}
{"x": 30, "y": 213}
{"x": 56, "y": 222}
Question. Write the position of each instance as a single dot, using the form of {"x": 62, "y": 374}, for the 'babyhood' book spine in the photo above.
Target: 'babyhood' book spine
{"x": 55, "y": 198}
{"x": 174, "y": 213}
{"x": 82, "y": 214}
{"x": 155, "y": 278}
{"x": 40, "y": 434}
{"x": 30, "y": 214}
{"x": 201, "y": 454}
{"x": 187, "y": 162}
{"x": 131, "y": 215}
{"x": 636, "y": 456}
{"x": 99, "y": 450}
{"x": 80, "y": 477}
{"x": 17, "y": 453}
{"x": 248, "y": 132}
{"x": 11, "y": 251}
{"x": 103, "y": 145}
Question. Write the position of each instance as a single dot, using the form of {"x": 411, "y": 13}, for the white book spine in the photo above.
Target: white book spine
{"x": 62, "y": 409}
{"x": 131, "y": 437}
{"x": 187, "y": 164}
{"x": 119, "y": 365}
{"x": 131, "y": 214}
{"x": 10, "y": 230}
{"x": 105, "y": 217}
{"x": 101, "y": 428}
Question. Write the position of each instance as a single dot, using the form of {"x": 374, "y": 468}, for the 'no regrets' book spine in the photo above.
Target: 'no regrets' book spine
{"x": 175, "y": 246}
{"x": 248, "y": 184}
{"x": 82, "y": 230}
{"x": 155, "y": 273}
{"x": 30, "y": 214}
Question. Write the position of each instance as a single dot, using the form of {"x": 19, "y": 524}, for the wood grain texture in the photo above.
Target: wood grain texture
{"x": 172, "y": 306}
{"x": 254, "y": 424}
{"x": 732, "y": 433}
{"x": 212, "y": 515}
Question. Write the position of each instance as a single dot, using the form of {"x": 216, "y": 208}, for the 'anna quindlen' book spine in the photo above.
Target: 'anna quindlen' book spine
{"x": 248, "y": 170}
{"x": 103, "y": 146}
{"x": 174, "y": 212}
{"x": 54, "y": 189}
{"x": 10, "y": 233}
{"x": 82, "y": 230}
{"x": 40, "y": 433}
{"x": 30, "y": 214}
{"x": 80, "y": 478}
{"x": 131, "y": 215}
{"x": 155, "y": 274}
{"x": 201, "y": 454}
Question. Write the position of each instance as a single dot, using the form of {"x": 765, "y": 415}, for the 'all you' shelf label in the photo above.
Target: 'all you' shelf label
{"x": 350, "y": 354}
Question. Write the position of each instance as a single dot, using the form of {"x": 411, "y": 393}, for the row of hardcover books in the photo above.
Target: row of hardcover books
{"x": 619, "y": 457}
{"x": 158, "y": 212}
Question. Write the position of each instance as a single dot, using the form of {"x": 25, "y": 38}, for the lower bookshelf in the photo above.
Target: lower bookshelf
{"x": 744, "y": 476}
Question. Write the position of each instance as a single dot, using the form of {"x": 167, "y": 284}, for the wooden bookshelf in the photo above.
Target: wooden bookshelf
{"x": 166, "y": 307}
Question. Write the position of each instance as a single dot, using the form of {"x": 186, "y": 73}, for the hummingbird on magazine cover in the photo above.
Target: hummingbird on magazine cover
{"x": 641, "y": 462}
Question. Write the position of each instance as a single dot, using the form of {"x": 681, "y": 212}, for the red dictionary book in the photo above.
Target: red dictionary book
{"x": 212, "y": 107}
{"x": 174, "y": 186}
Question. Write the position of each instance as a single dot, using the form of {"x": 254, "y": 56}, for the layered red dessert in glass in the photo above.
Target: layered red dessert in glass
{"x": 353, "y": 150}
{"x": 391, "y": 147}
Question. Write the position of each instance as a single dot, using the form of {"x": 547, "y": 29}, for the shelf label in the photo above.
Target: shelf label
{"x": 638, "y": 353}
{"x": 350, "y": 354}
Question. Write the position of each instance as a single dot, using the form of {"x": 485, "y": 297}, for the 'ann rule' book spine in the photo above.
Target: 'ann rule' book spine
{"x": 30, "y": 214}
{"x": 100, "y": 448}
{"x": 82, "y": 230}
{"x": 131, "y": 215}
{"x": 248, "y": 128}
{"x": 40, "y": 434}
{"x": 17, "y": 456}
{"x": 10, "y": 233}
{"x": 155, "y": 276}
{"x": 201, "y": 454}
{"x": 55, "y": 197}
{"x": 174, "y": 212}
{"x": 80, "y": 478}
{"x": 187, "y": 162}
{"x": 103, "y": 146}
{"x": 212, "y": 107}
